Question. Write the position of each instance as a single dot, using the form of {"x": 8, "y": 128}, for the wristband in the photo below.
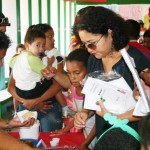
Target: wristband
{"x": 7, "y": 125}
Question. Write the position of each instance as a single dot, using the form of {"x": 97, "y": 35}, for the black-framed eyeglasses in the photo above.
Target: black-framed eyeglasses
{"x": 4, "y": 21}
{"x": 93, "y": 45}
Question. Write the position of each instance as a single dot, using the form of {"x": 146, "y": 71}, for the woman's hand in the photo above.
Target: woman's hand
{"x": 80, "y": 119}
{"x": 145, "y": 75}
{"x": 44, "y": 106}
{"x": 103, "y": 109}
{"x": 136, "y": 93}
{"x": 29, "y": 104}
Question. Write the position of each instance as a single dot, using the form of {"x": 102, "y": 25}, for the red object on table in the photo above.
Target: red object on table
{"x": 69, "y": 139}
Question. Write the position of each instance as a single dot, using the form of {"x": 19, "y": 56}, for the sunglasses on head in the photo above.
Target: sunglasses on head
{"x": 4, "y": 21}
{"x": 93, "y": 45}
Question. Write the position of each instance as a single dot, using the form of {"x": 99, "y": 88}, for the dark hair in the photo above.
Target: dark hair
{"x": 20, "y": 46}
{"x": 32, "y": 34}
{"x": 43, "y": 27}
{"x": 144, "y": 128}
{"x": 81, "y": 12}
{"x": 146, "y": 33}
{"x": 133, "y": 28}
{"x": 117, "y": 139}
{"x": 77, "y": 17}
{"x": 4, "y": 41}
{"x": 141, "y": 23}
{"x": 31, "y": 27}
{"x": 80, "y": 55}
{"x": 98, "y": 20}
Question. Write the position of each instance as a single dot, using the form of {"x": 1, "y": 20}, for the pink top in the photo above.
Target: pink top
{"x": 74, "y": 101}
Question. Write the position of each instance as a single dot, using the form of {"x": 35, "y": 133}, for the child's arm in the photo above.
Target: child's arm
{"x": 62, "y": 79}
{"x": 66, "y": 128}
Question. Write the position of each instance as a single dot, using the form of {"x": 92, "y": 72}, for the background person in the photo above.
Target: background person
{"x": 134, "y": 32}
{"x": 119, "y": 136}
{"x": 7, "y": 142}
{"x": 146, "y": 39}
{"x": 51, "y": 116}
{"x": 51, "y": 53}
{"x": 4, "y": 22}
{"x": 29, "y": 66}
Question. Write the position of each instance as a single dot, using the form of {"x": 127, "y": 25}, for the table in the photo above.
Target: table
{"x": 69, "y": 139}
{"x": 5, "y": 97}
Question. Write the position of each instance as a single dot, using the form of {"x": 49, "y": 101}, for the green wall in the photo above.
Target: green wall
{"x": 117, "y": 2}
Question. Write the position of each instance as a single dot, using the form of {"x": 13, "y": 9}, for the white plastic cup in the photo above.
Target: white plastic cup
{"x": 56, "y": 140}
{"x": 53, "y": 143}
{"x": 31, "y": 132}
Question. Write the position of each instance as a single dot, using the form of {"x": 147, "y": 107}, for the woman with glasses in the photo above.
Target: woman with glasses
{"x": 104, "y": 33}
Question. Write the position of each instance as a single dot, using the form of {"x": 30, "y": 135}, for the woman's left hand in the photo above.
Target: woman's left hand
{"x": 103, "y": 109}
{"x": 44, "y": 106}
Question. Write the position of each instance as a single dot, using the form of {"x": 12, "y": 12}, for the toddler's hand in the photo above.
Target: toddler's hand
{"x": 49, "y": 72}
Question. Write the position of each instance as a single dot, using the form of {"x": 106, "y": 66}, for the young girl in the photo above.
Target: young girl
{"x": 76, "y": 64}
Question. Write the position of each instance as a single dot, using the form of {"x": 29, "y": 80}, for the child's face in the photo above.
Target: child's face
{"x": 50, "y": 42}
{"x": 37, "y": 46}
{"x": 76, "y": 72}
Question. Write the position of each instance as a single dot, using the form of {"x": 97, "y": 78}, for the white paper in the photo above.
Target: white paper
{"x": 26, "y": 114}
{"x": 140, "y": 109}
{"x": 116, "y": 100}
{"x": 136, "y": 77}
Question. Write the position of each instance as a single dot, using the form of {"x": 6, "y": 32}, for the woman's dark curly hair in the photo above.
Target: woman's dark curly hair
{"x": 98, "y": 20}
{"x": 77, "y": 17}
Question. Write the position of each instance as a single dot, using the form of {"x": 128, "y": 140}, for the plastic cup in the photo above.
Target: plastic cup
{"x": 56, "y": 140}
{"x": 53, "y": 143}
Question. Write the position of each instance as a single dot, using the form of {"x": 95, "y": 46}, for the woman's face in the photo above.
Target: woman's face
{"x": 97, "y": 44}
{"x": 76, "y": 72}
{"x": 50, "y": 42}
